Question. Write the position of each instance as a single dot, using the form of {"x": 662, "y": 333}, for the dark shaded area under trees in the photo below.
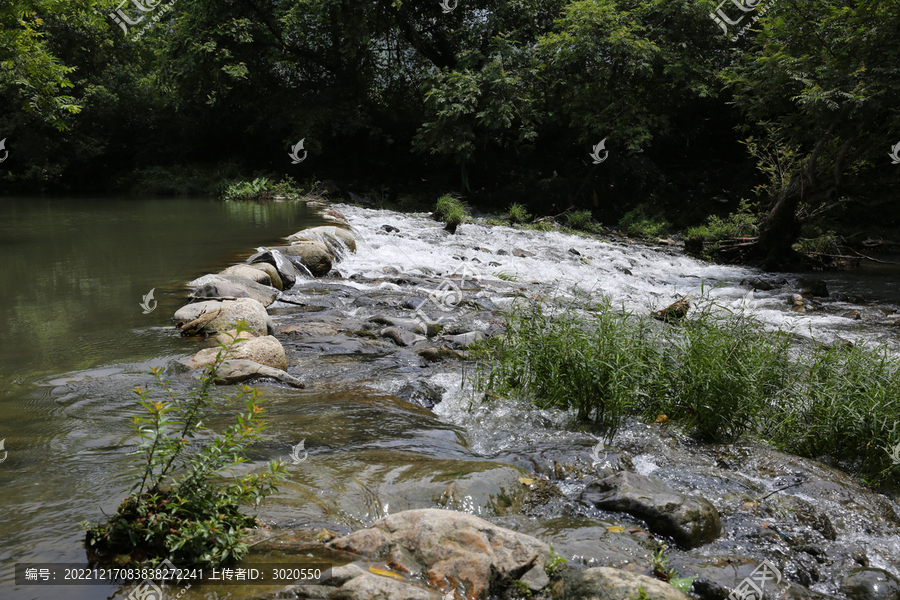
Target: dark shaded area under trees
{"x": 502, "y": 101}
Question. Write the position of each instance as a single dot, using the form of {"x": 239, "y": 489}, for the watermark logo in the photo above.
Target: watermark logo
{"x": 895, "y": 457}
{"x": 596, "y": 153}
{"x": 895, "y": 151}
{"x": 6, "y": 152}
{"x": 123, "y": 20}
{"x": 743, "y": 5}
{"x": 745, "y": 303}
{"x": 296, "y": 160}
{"x": 448, "y": 295}
{"x": 595, "y": 454}
{"x": 295, "y": 453}
{"x": 445, "y": 5}
{"x": 146, "y": 303}
{"x": 748, "y": 588}
{"x": 5, "y": 453}
{"x": 148, "y": 590}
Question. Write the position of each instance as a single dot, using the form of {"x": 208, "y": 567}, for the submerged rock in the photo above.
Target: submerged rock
{"x": 690, "y": 520}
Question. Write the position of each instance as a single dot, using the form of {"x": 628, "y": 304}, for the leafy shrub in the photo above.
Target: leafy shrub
{"x": 827, "y": 243}
{"x": 517, "y": 214}
{"x": 178, "y": 508}
{"x": 639, "y": 223}
{"x": 261, "y": 188}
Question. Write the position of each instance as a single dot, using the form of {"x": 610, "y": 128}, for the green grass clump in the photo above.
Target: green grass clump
{"x": 718, "y": 374}
{"x": 640, "y": 223}
{"x": 579, "y": 219}
{"x": 517, "y": 213}
{"x": 180, "y": 508}
{"x": 452, "y": 211}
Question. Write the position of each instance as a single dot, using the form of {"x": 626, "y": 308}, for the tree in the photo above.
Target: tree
{"x": 820, "y": 82}
{"x": 26, "y": 63}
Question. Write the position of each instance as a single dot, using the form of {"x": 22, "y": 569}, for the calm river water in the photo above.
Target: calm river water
{"x": 74, "y": 271}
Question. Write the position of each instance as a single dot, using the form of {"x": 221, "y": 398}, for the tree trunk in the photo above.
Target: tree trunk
{"x": 778, "y": 233}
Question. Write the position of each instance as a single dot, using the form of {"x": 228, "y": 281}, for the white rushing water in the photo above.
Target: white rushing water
{"x": 634, "y": 276}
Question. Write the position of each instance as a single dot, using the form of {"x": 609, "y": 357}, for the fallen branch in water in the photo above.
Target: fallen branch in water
{"x": 779, "y": 490}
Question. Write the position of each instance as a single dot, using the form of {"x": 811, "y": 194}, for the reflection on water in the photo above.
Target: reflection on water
{"x": 74, "y": 273}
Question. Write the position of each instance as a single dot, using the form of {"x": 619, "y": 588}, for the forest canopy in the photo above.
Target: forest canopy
{"x": 792, "y": 103}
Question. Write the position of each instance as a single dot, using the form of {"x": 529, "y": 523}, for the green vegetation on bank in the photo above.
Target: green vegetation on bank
{"x": 640, "y": 222}
{"x": 262, "y": 188}
{"x": 182, "y": 507}
{"x": 719, "y": 374}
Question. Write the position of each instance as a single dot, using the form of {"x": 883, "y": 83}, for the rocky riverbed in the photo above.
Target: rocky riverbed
{"x": 358, "y": 337}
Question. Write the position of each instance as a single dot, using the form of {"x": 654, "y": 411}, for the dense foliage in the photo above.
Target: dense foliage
{"x": 503, "y": 101}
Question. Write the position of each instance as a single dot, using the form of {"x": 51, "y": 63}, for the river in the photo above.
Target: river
{"x": 76, "y": 341}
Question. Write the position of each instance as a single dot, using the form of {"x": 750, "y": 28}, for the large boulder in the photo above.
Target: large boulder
{"x": 275, "y": 258}
{"x": 264, "y": 350}
{"x": 690, "y": 520}
{"x": 338, "y": 239}
{"x": 604, "y": 583}
{"x": 217, "y": 316}
{"x": 314, "y": 256}
{"x": 248, "y": 272}
{"x": 227, "y": 287}
{"x": 451, "y": 550}
{"x": 238, "y": 370}
{"x": 272, "y": 272}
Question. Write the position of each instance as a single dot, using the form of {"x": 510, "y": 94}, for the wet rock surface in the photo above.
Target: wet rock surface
{"x": 690, "y": 520}
{"x": 455, "y": 552}
{"x": 224, "y": 314}
{"x": 604, "y": 583}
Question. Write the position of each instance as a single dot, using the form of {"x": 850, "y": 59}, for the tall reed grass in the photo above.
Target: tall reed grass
{"x": 719, "y": 374}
